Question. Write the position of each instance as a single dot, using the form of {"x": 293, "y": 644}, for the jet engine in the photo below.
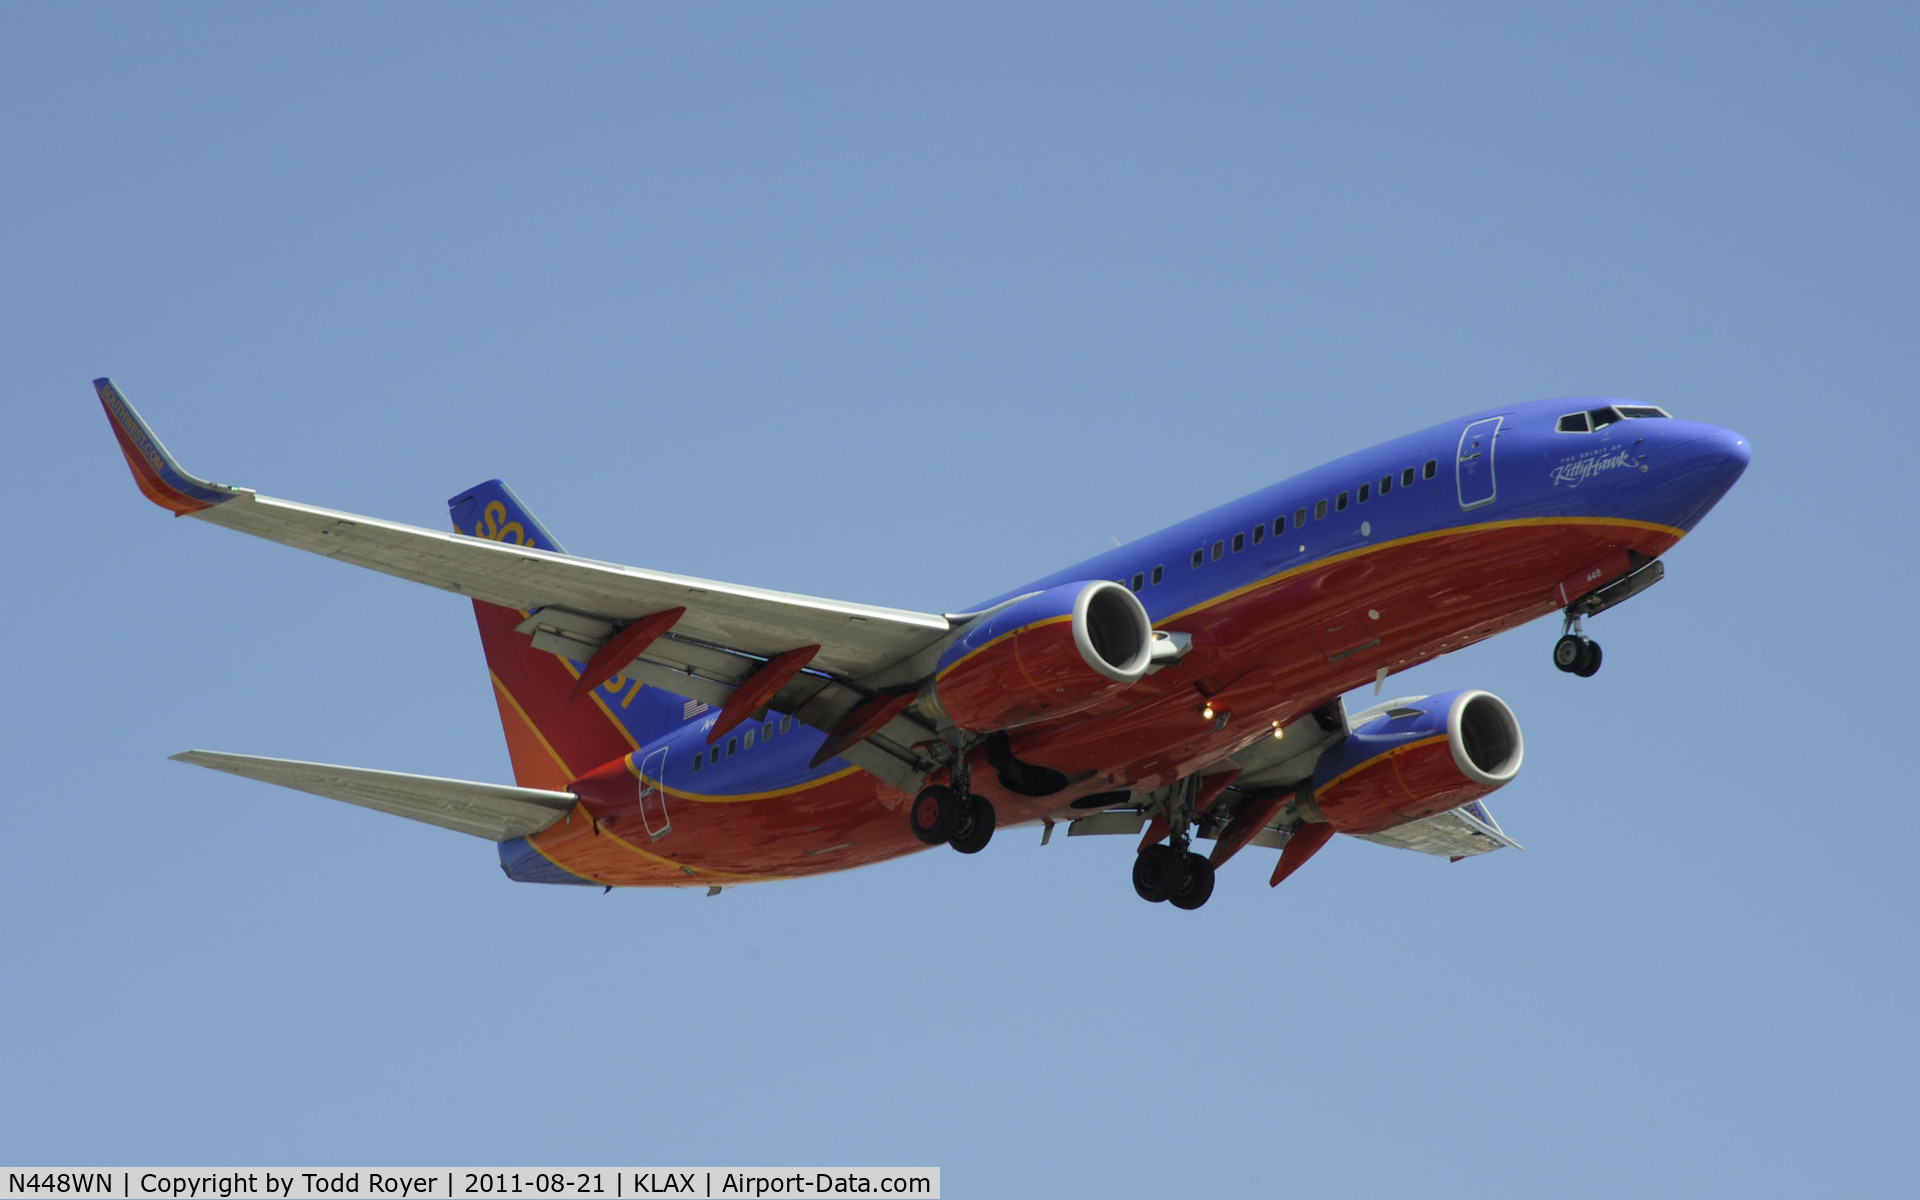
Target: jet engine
{"x": 1417, "y": 757}
{"x": 1042, "y": 656}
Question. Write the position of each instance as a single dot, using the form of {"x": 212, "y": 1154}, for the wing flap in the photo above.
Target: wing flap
{"x": 1457, "y": 833}
{"x": 493, "y": 811}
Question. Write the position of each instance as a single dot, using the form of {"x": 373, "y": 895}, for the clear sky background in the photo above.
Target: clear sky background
{"x": 908, "y": 305}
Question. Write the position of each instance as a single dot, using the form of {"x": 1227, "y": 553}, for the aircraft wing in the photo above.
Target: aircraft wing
{"x": 853, "y": 638}
{"x": 725, "y": 634}
{"x": 1457, "y": 833}
{"x": 493, "y": 811}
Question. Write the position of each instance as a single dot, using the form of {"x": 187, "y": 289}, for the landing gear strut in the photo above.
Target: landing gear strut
{"x": 953, "y": 815}
{"x": 1575, "y": 652}
{"x": 1171, "y": 871}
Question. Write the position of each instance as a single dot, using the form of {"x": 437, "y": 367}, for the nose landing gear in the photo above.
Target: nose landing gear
{"x": 1575, "y": 652}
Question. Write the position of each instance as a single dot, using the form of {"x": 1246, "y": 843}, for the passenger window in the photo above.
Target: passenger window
{"x": 1319, "y": 509}
{"x": 785, "y": 723}
{"x": 1340, "y": 502}
{"x": 1259, "y": 533}
{"x": 1199, "y": 556}
{"x": 1406, "y": 477}
{"x": 1219, "y": 548}
{"x": 766, "y": 735}
{"x": 1299, "y": 518}
{"x": 732, "y": 745}
{"x": 1139, "y": 581}
{"x": 1159, "y": 573}
{"x": 1386, "y": 484}
{"x": 1239, "y": 542}
{"x": 713, "y": 755}
{"x": 1432, "y": 468}
{"x": 698, "y": 758}
{"x": 1366, "y": 489}
{"x": 746, "y": 743}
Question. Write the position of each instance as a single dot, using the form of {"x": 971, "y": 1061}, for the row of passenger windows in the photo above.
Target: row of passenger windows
{"x": 739, "y": 742}
{"x": 1365, "y": 492}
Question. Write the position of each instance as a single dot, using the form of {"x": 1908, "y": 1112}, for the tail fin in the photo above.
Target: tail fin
{"x": 551, "y": 740}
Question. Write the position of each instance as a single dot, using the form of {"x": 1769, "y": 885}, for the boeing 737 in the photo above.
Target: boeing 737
{"x": 670, "y": 731}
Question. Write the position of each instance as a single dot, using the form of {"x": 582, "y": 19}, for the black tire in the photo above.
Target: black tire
{"x": 1569, "y": 652}
{"x": 935, "y": 814}
{"x": 1156, "y": 872}
{"x": 1196, "y": 883}
{"x": 1590, "y": 664}
{"x": 976, "y": 827}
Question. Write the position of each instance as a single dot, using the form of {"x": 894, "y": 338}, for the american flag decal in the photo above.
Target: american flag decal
{"x": 692, "y": 709}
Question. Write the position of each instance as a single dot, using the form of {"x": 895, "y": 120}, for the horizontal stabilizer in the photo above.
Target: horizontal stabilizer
{"x": 493, "y": 811}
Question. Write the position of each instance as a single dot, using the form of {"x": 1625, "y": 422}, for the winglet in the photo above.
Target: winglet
{"x": 160, "y": 478}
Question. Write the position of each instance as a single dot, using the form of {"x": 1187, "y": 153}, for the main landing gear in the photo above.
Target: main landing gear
{"x": 1181, "y": 877}
{"x": 1170, "y": 870}
{"x": 1575, "y": 652}
{"x": 954, "y": 815}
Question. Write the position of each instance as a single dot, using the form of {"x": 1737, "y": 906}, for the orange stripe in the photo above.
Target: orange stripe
{"x": 151, "y": 483}
{"x": 507, "y": 698}
{"x": 542, "y": 852}
{"x": 1044, "y": 621}
{"x": 709, "y": 798}
{"x": 1376, "y": 760}
{"x": 1452, "y": 531}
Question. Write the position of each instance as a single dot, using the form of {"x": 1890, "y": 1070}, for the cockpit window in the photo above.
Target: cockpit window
{"x": 1575, "y": 423}
{"x": 1602, "y": 417}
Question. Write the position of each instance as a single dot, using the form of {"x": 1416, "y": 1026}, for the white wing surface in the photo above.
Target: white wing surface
{"x": 489, "y": 810}
{"x": 726, "y": 632}
{"x": 854, "y": 639}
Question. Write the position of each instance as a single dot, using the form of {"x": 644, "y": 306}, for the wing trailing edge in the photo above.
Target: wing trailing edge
{"x": 854, "y": 639}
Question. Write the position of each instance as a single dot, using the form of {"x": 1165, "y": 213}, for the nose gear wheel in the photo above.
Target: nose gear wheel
{"x": 1577, "y": 655}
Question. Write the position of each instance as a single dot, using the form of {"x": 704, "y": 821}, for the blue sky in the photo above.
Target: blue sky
{"x": 907, "y": 305}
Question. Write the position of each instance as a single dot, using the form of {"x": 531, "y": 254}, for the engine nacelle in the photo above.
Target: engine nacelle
{"x": 1418, "y": 757}
{"x": 1049, "y": 654}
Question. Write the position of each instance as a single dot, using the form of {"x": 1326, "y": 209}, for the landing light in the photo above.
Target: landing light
{"x": 1278, "y": 732}
{"x": 1206, "y": 712}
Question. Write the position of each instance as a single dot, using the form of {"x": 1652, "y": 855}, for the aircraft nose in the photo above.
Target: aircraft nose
{"x": 1720, "y": 450}
{"x": 1706, "y": 466}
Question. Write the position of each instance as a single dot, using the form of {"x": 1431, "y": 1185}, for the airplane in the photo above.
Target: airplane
{"x": 672, "y": 731}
